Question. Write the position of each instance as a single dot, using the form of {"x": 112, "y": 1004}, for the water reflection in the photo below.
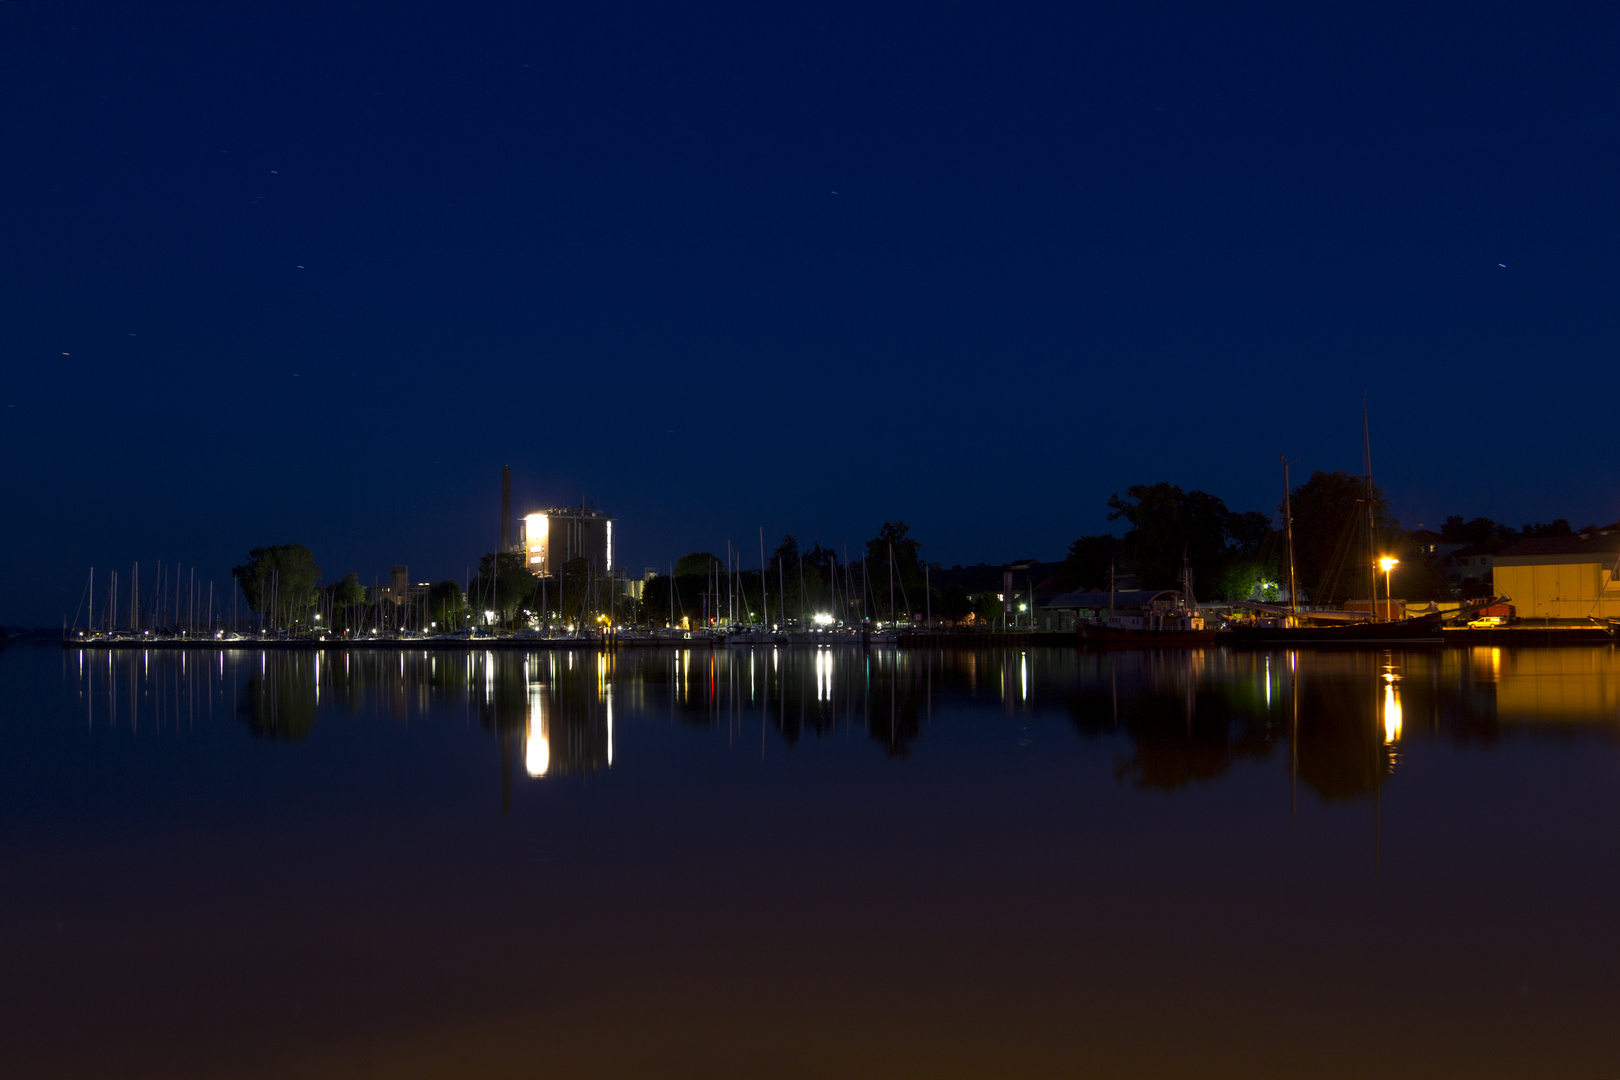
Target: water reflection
{"x": 1180, "y": 717}
{"x": 1392, "y": 709}
{"x": 283, "y": 863}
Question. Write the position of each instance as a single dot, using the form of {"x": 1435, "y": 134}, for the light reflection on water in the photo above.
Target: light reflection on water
{"x": 799, "y": 861}
{"x": 1174, "y": 718}
{"x": 1188, "y": 715}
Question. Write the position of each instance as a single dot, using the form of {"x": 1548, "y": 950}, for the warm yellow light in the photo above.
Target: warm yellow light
{"x": 1392, "y": 713}
{"x": 1386, "y": 564}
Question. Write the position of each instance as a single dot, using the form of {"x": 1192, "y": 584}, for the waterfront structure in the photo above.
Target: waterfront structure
{"x": 551, "y": 538}
{"x": 399, "y": 588}
{"x": 1560, "y": 577}
{"x": 1068, "y": 610}
{"x": 547, "y": 539}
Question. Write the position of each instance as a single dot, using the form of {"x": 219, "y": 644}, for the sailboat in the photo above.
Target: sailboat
{"x": 1331, "y": 627}
{"x": 1418, "y": 630}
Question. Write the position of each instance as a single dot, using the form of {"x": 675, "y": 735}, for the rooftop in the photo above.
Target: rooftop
{"x": 1562, "y": 545}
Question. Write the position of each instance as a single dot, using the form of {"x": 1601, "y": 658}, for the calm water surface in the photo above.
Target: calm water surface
{"x": 801, "y": 863}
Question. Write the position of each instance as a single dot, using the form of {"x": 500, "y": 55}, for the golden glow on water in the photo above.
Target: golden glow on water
{"x": 1392, "y": 711}
{"x": 1540, "y": 686}
{"x": 1392, "y": 700}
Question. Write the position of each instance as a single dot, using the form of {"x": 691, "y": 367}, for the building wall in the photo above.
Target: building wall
{"x": 1056, "y": 619}
{"x": 556, "y": 537}
{"x": 1555, "y": 589}
{"x": 535, "y": 539}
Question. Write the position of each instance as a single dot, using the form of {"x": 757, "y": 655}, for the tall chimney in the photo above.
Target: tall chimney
{"x": 506, "y": 507}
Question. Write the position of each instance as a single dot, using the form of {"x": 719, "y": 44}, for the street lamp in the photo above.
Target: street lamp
{"x": 1386, "y": 564}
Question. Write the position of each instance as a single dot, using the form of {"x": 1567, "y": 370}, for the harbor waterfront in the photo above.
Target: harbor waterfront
{"x": 247, "y": 861}
{"x": 1454, "y": 636}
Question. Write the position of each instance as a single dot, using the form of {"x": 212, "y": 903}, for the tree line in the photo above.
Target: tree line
{"x": 1232, "y": 555}
{"x": 886, "y": 581}
{"x": 1236, "y": 555}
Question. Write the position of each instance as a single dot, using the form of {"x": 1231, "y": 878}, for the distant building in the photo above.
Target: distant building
{"x": 1435, "y": 547}
{"x": 1428, "y": 542}
{"x": 1560, "y": 577}
{"x": 1470, "y": 563}
{"x": 550, "y": 538}
{"x": 399, "y": 588}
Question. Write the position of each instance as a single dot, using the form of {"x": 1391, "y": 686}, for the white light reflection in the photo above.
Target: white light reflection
{"x": 537, "y": 747}
{"x": 1023, "y": 676}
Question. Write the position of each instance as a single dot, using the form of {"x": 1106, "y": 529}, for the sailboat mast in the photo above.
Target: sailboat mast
{"x": 891, "y": 583}
{"x": 1372, "y": 555}
{"x": 764, "y": 600}
{"x": 1288, "y": 527}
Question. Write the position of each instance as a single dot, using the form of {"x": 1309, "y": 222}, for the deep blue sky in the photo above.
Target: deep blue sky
{"x": 323, "y": 268}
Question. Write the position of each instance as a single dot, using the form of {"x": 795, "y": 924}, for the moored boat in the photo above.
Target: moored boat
{"x": 1420, "y": 630}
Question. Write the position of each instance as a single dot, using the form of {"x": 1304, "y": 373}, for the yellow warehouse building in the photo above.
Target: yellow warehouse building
{"x": 1560, "y": 577}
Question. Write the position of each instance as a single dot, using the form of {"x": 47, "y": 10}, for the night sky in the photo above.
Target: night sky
{"x": 313, "y": 273}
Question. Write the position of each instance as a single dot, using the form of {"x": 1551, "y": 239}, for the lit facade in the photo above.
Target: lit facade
{"x": 551, "y": 538}
{"x": 1563, "y": 577}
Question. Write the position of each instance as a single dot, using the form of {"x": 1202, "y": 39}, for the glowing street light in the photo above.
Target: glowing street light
{"x": 1386, "y": 564}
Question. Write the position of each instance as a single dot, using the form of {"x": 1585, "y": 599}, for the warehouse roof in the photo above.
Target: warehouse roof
{"x": 1603, "y": 546}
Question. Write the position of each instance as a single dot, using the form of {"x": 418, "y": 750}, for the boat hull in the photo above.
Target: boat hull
{"x": 1423, "y": 630}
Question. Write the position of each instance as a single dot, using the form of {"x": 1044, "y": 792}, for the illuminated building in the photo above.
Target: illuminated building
{"x": 551, "y": 538}
{"x": 1560, "y": 577}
